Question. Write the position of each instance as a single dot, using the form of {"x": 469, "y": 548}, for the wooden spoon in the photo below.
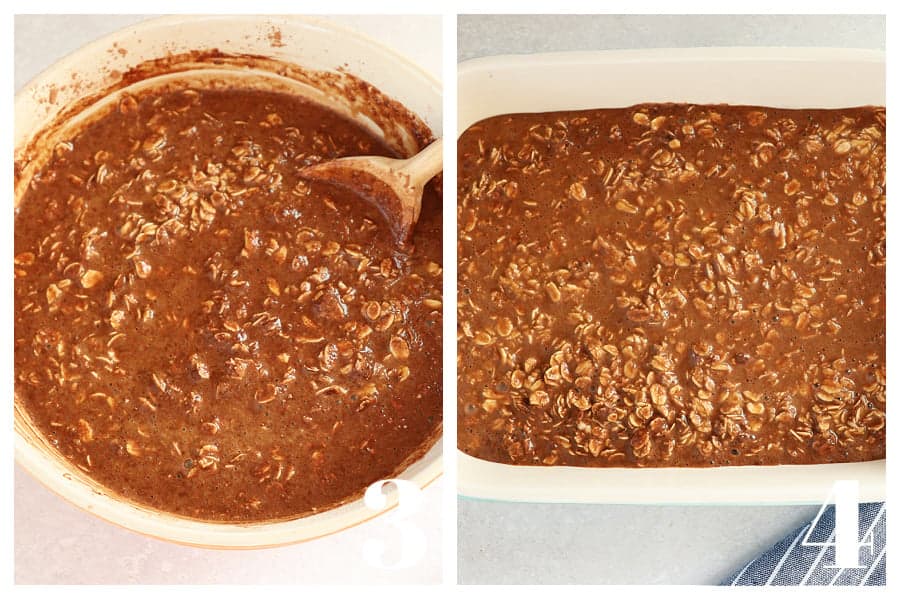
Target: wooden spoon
{"x": 393, "y": 185}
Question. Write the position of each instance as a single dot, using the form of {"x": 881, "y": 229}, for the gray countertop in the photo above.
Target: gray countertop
{"x": 487, "y": 35}
{"x": 502, "y": 542}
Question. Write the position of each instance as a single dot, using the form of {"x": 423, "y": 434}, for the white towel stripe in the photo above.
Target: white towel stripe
{"x": 818, "y": 559}
{"x": 870, "y": 529}
{"x": 804, "y": 533}
{"x": 784, "y": 558}
{"x": 741, "y": 574}
{"x": 836, "y": 575}
{"x": 873, "y": 565}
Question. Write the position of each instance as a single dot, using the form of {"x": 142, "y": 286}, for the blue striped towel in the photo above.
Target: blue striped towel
{"x": 806, "y": 556}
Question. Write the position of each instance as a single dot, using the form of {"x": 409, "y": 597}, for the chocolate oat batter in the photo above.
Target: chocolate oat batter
{"x": 673, "y": 285}
{"x": 202, "y": 331}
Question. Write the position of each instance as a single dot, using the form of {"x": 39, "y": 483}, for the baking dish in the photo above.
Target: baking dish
{"x": 316, "y": 46}
{"x": 780, "y": 77}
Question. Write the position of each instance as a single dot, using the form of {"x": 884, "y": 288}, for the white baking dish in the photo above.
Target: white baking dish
{"x": 781, "y": 77}
{"x": 312, "y": 43}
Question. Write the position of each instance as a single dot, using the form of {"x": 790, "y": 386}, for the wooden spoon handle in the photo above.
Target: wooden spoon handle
{"x": 426, "y": 164}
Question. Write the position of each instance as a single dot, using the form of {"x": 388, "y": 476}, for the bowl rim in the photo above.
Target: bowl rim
{"x": 54, "y": 473}
{"x": 71, "y": 59}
